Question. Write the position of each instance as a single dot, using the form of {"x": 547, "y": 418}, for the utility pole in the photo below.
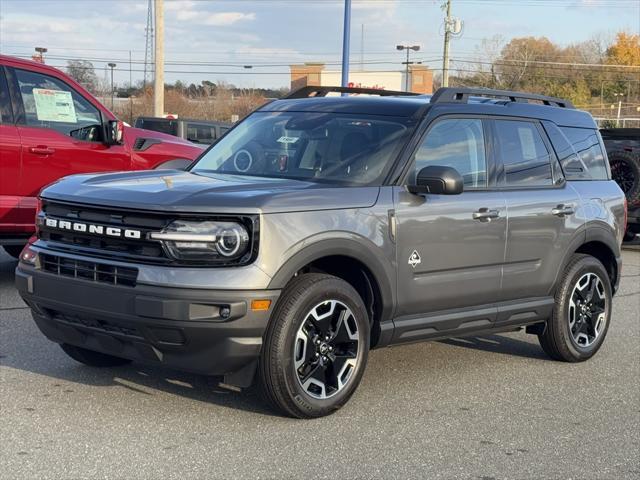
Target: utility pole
{"x": 130, "y": 90}
{"x": 346, "y": 35}
{"x": 111, "y": 66}
{"x": 158, "y": 90}
{"x": 362, "y": 47}
{"x": 445, "y": 58}
{"x": 619, "y": 95}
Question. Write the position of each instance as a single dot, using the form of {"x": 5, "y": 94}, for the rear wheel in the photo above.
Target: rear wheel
{"x": 582, "y": 312}
{"x": 316, "y": 347}
{"x": 625, "y": 171}
{"x": 92, "y": 358}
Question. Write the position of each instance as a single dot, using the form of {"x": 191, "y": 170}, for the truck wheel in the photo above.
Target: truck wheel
{"x": 92, "y": 358}
{"x": 582, "y": 312}
{"x": 625, "y": 171}
{"x": 13, "y": 250}
{"x": 316, "y": 346}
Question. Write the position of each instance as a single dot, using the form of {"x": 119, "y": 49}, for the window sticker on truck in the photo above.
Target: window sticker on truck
{"x": 54, "y": 106}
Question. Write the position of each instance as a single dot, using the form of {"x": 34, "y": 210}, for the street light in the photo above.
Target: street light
{"x": 111, "y": 66}
{"x": 408, "y": 48}
{"x": 41, "y": 51}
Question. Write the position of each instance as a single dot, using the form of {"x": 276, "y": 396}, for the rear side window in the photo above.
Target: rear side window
{"x": 457, "y": 143}
{"x": 592, "y": 160}
{"x": 526, "y": 160}
{"x": 201, "y": 133}
{"x": 170, "y": 127}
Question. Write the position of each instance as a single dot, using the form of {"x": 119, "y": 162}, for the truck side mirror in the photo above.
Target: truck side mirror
{"x": 114, "y": 132}
{"x": 437, "y": 180}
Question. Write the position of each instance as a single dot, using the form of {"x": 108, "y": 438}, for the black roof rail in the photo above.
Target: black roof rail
{"x": 461, "y": 95}
{"x": 310, "y": 91}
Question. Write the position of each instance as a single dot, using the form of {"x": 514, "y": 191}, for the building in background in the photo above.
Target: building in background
{"x": 314, "y": 74}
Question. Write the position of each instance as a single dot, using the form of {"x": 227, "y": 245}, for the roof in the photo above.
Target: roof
{"x": 406, "y": 105}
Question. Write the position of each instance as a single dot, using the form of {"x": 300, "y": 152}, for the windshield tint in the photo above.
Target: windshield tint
{"x": 323, "y": 147}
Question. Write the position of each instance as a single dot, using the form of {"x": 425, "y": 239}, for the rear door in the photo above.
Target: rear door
{"x": 450, "y": 248}
{"x": 544, "y": 210}
{"x": 61, "y": 132}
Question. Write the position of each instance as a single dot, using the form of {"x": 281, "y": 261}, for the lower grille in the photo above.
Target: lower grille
{"x": 93, "y": 271}
{"x": 94, "y": 324}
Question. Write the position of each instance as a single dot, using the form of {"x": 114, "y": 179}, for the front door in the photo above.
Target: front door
{"x": 61, "y": 133}
{"x": 450, "y": 248}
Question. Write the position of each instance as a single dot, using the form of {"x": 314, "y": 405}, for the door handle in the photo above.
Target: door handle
{"x": 562, "y": 210}
{"x": 42, "y": 150}
{"x": 485, "y": 214}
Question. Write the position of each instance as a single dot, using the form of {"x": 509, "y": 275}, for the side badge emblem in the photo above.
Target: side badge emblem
{"x": 414, "y": 259}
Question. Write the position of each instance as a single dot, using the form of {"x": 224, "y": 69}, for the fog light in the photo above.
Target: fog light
{"x": 225, "y": 312}
{"x": 260, "y": 305}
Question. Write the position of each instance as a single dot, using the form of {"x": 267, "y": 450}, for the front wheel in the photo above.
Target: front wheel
{"x": 582, "y": 313}
{"x": 316, "y": 347}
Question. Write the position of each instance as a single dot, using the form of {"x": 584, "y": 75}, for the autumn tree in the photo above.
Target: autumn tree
{"x": 82, "y": 71}
{"x": 625, "y": 50}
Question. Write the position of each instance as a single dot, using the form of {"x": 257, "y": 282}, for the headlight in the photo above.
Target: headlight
{"x": 208, "y": 240}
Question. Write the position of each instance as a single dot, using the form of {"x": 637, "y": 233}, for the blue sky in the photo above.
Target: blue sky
{"x": 271, "y": 34}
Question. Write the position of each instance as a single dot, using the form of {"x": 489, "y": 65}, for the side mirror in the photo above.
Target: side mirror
{"x": 114, "y": 132}
{"x": 438, "y": 180}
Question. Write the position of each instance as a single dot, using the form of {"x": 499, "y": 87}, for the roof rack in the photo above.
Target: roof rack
{"x": 461, "y": 95}
{"x": 310, "y": 91}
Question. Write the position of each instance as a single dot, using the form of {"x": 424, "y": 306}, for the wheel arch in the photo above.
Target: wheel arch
{"x": 599, "y": 243}
{"x": 354, "y": 263}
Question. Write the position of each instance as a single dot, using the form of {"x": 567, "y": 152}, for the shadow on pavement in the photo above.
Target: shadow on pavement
{"x": 499, "y": 344}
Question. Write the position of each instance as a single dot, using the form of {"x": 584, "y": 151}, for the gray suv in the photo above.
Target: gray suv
{"x": 323, "y": 226}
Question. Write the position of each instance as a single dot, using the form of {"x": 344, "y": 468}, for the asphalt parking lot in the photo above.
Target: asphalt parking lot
{"x": 490, "y": 407}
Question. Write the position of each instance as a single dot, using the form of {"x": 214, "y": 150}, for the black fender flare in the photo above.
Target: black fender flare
{"x": 384, "y": 275}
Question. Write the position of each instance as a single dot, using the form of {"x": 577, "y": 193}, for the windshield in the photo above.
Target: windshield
{"x": 322, "y": 147}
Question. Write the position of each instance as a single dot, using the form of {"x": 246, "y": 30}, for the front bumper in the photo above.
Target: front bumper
{"x": 176, "y": 327}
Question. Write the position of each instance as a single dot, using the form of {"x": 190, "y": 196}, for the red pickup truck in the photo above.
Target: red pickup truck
{"x": 50, "y": 127}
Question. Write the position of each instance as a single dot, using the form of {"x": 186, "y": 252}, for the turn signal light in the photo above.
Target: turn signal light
{"x": 260, "y": 305}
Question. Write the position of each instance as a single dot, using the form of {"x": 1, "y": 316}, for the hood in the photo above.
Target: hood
{"x": 177, "y": 191}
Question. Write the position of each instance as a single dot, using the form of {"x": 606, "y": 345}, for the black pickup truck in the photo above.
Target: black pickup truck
{"x": 196, "y": 131}
{"x": 623, "y": 150}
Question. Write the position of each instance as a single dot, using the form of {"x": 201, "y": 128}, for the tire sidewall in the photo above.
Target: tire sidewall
{"x": 328, "y": 289}
{"x": 584, "y": 266}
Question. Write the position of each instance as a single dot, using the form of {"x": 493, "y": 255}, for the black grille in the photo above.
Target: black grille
{"x": 96, "y": 272}
{"x": 119, "y": 248}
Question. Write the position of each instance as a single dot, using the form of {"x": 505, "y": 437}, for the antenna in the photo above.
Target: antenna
{"x": 148, "y": 47}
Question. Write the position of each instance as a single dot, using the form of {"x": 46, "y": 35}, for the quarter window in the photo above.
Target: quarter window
{"x": 526, "y": 160}
{"x": 51, "y": 103}
{"x": 456, "y": 143}
{"x": 201, "y": 133}
{"x": 586, "y": 143}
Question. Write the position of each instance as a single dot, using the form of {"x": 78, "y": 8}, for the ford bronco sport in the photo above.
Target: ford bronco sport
{"x": 323, "y": 226}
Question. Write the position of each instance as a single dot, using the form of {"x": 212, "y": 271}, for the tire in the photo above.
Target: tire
{"x": 579, "y": 340}
{"x": 13, "y": 250}
{"x": 625, "y": 170}
{"x": 291, "y": 359}
{"x": 92, "y": 358}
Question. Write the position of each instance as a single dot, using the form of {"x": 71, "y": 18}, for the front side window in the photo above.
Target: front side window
{"x": 320, "y": 147}
{"x": 457, "y": 143}
{"x": 51, "y": 103}
{"x": 526, "y": 160}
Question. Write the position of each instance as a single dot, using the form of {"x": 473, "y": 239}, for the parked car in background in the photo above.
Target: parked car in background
{"x": 50, "y": 127}
{"x": 623, "y": 150}
{"x": 196, "y": 131}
